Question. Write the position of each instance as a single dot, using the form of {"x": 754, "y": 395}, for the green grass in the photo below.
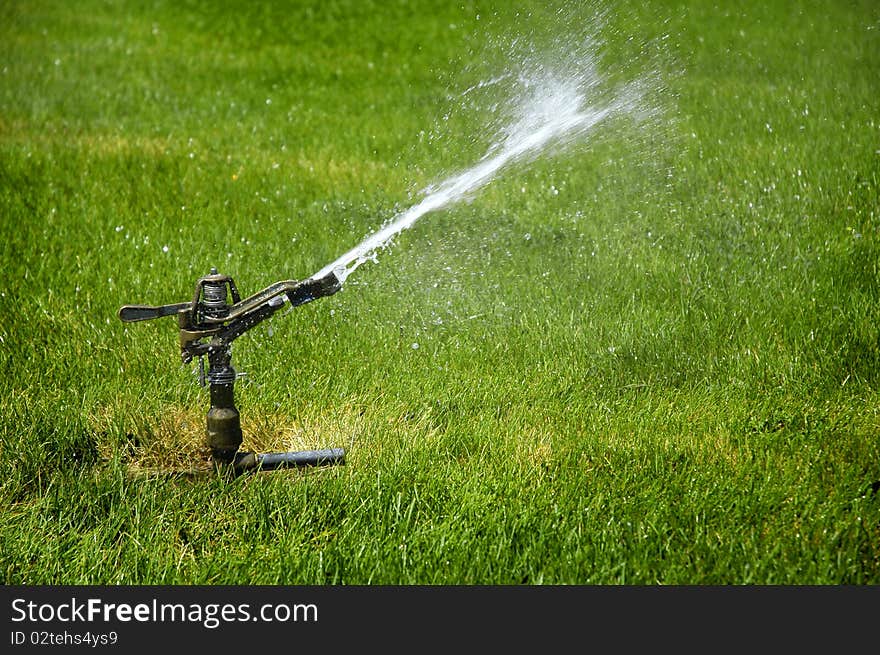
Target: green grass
{"x": 665, "y": 373}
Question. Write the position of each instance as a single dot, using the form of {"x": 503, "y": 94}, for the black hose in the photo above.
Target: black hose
{"x": 294, "y": 459}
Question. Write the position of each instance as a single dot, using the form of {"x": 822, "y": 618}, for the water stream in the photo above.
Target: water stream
{"x": 553, "y": 110}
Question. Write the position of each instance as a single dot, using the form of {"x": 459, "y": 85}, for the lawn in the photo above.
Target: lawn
{"x": 649, "y": 357}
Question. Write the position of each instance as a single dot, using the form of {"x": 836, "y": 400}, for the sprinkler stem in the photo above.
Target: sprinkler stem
{"x": 224, "y": 422}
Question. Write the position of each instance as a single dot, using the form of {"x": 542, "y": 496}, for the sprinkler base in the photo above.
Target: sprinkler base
{"x": 243, "y": 463}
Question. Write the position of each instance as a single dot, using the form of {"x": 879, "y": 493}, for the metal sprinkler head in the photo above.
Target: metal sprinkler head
{"x": 208, "y": 325}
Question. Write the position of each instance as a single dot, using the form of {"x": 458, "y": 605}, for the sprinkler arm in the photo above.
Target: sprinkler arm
{"x": 233, "y": 320}
{"x": 131, "y": 313}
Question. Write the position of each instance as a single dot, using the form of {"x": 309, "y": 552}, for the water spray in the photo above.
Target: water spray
{"x": 555, "y": 112}
{"x": 208, "y": 325}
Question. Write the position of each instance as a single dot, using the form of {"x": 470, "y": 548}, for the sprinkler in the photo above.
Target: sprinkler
{"x": 208, "y": 325}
